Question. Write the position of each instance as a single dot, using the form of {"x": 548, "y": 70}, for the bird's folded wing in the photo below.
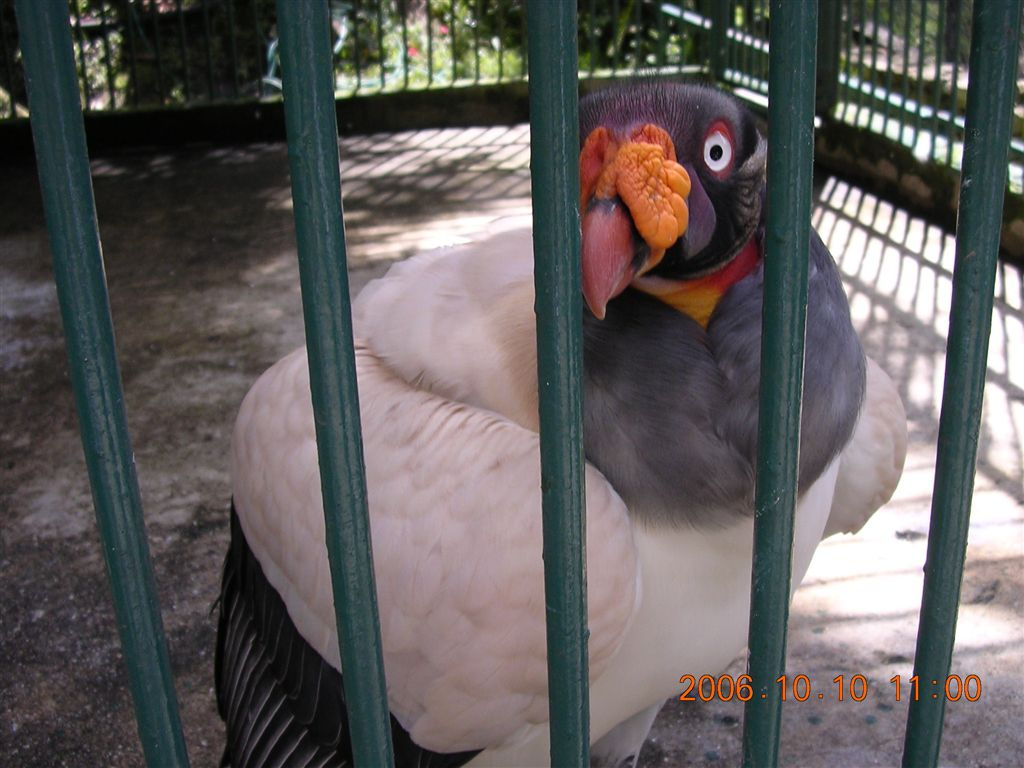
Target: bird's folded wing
{"x": 872, "y": 462}
{"x": 454, "y": 495}
{"x": 460, "y": 323}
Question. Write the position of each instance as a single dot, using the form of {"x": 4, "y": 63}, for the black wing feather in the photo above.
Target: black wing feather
{"x": 283, "y": 705}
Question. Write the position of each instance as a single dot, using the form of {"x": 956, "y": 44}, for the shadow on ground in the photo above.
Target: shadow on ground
{"x": 200, "y": 256}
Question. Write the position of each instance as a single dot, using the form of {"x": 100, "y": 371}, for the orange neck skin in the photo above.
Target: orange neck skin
{"x": 699, "y": 297}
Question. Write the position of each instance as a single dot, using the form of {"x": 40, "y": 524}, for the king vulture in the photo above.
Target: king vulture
{"x": 672, "y": 197}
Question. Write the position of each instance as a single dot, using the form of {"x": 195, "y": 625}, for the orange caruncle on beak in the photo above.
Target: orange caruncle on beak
{"x": 643, "y": 173}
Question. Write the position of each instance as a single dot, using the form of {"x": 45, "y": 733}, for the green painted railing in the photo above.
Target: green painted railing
{"x": 320, "y": 231}
{"x": 66, "y": 182}
{"x": 990, "y": 100}
{"x": 554, "y": 171}
{"x": 47, "y": 43}
{"x": 787, "y": 235}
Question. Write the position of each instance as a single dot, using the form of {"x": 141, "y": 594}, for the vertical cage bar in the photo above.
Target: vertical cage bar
{"x": 357, "y": 54}
{"x": 403, "y": 9}
{"x": 257, "y": 42}
{"x": 129, "y": 17}
{"x": 662, "y": 58}
{"x": 311, "y": 123}
{"x": 5, "y": 51}
{"x": 232, "y": 47}
{"x": 183, "y": 42}
{"x": 680, "y": 26}
{"x": 891, "y": 28}
{"x": 501, "y": 43}
{"x": 381, "y": 55}
{"x": 453, "y": 16}
{"x": 787, "y": 238}
{"x": 59, "y": 134}
{"x": 990, "y": 99}
{"x": 477, "y": 18}
{"x": 861, "y": 14}
{"x": 848, "y": 96}
{"x": 638, "y": 34}
{"x": 80, "y": 46}
{"x": 554, "y": 148}
{"x": 720, "y": 11}
{"x": 875, "y": 10}
{"x": 157, "y": 49}
{"x": 940, "y": 34}
{"x": 827, "y": 88}
{"x": 524, "y": 63}
{"x": 954, "y": 96}
{"x": 430, "y": 45}
{"x": 747, "y": 57}
{"x": 919, "y": 47}
{"x": 616, "y": 37}
{"x": 107, "y": 62}
{"x": 208, "y": 43}
{"x": 905, "y": 74}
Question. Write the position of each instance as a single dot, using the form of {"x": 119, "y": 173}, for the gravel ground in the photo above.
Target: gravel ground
{"x": 200, "y": 256}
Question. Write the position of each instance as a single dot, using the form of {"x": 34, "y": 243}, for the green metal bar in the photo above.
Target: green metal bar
{"x": 990, "y": 99}
{"x": 888, "y": 64}
{"x": 616, "y": 38}
{"x": 403, "y": 9}
{"x": 258, "y": 47}
{"x": 5, "y": 50}
{"x": 311, "y": 123}
{"x": 183, "y": 42}
{"x": 638, "y": 58}
{"x": 861, "y": 13}
{"x": 128, "y": 15}
{"x": 208, "y": 39}
{"x": 875, "y": 11}
{"x": 430, "y": 45}
{"x": 790, "y": 153}
{"x": 501, "y": 43}
{"x": 720, "y": 10}
{"x": 940, "y": 34}
{"x": 107, "y": 63}
{"x": 954, "y": 96}
{"x": 452, "y": 27}
{"x": 356, "y": 46}
{"x": 827, "y": 87}
{"x": 524, "y": 63}
{"x": 381, "y": 57}
{"x": 158, "y": 50}
{"x": 80, "y": 48}
{"x": 847, "y": 57}
{"x": 680, "y": 29}
{"x": 905, "y": 84}
{"x": 764, "y": 59}
{"x": 554, "y": 148}
{"x": 232, "y": 47}
{"x": 478, "y": 16}
{"x": 662, "y": 41}
{"x": 919, "y": 44}
{"x": 59, "y": 134}
{"x": 747, "y": 54}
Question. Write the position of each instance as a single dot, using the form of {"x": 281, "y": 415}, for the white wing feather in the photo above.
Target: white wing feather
{"x": 454, "y": 495}
{"x": 872, "y": 462}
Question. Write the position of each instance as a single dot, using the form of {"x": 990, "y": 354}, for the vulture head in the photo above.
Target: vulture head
{"x": 671, "y": 192}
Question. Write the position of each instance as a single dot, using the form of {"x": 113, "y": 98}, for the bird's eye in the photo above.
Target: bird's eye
{"x": 718, "y": 150}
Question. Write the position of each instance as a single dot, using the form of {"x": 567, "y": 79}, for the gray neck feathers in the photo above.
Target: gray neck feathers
{"x": 671, "y": 410}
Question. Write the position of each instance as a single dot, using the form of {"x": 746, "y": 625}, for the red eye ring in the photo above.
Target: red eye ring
{"x": 719, "y": 149}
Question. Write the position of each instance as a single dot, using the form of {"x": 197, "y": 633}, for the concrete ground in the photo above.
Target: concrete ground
{"x": 200, "y": 257}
